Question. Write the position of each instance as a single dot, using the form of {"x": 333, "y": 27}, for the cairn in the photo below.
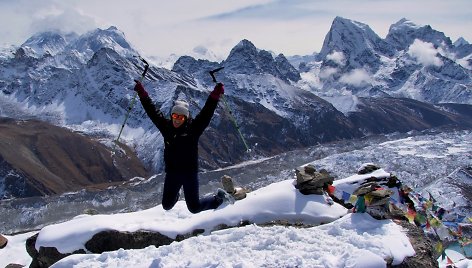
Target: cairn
{"x": 310, "y": 181}
{"x": 377, "y": 200}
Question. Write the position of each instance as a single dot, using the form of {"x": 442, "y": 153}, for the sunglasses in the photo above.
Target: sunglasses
{"x": 178, "y": 116}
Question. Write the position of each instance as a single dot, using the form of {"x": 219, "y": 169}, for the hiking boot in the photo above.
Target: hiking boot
{"x": 224, "y": 197}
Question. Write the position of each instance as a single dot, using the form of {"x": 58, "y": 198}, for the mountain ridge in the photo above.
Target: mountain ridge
{"x": 87, "y": 88}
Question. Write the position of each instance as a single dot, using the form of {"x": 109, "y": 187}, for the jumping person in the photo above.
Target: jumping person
{"x": 181, "y": 133}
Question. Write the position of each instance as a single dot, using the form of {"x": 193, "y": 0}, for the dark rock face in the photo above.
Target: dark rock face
{"x": 114, "y": 240}
{"x": 104, "y": 241}
{"x": 37, "y": 158}
{"x": 46, "y": 256}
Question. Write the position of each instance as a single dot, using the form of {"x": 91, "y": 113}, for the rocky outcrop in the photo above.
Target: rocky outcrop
{"x": 46, "y": 256}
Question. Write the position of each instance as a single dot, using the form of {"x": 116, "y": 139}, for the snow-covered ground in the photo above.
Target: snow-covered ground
{"x": 350, "y": 240}
{"x": 347, "y": 240}
{"x": 422, "y": 160}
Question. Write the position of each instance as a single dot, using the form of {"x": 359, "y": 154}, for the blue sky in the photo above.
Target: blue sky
{"x": 162, "y": 27}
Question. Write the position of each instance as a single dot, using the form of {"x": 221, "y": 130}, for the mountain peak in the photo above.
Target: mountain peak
{"x": 355, "y": 40}
{"x": 403, "y": 33}
{"x": 460, "y": 42}
{"x": 404, "y": 23}
{"x": 51, "y": 42}
{"x": 245, "y": 58}
{"x": 245, "y": 45}
{"x": 343, "y": 23}
{"x": 108, "y": 38}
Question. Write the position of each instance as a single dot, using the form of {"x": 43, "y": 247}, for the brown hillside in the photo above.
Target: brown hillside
{"x": 37, "y": 158}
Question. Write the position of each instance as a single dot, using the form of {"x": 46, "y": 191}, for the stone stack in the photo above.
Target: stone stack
{"x": 377, "y": 200}
{"x": 310, "y": 181}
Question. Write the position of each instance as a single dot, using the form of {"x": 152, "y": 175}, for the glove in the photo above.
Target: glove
{"x": 217, "y": 91}
{"x": 140, "y": 89}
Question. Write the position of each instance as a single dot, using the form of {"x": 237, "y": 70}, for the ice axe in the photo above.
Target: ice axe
{"x": 212, "y": 73}
{"x": 130, "y": 107}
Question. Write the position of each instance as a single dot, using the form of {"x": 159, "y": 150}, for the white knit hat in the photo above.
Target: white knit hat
{"x": 180, "y": 107}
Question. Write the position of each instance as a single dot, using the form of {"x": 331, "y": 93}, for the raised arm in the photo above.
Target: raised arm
{"x": 202, "y": 120}
{"x": 152, "y": 111}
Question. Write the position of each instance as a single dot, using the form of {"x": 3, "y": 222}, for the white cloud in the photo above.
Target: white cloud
{"x": 68, "y": 20}
{"x": 337, "y": 57}
{"x": 357, "y": 77}
{"x": 327, "y": 72}
{"x": 425, "y": 53}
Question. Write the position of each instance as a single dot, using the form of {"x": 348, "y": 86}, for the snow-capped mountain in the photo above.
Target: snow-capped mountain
{"x": 404, "y": 32}
{"x": 360, "y": 46}
{"x": 84, "y": 83}
{"x": 413, "y": 61}
{"x": 245, "y": 58}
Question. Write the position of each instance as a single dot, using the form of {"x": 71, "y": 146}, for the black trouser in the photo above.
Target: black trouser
{"x": 189, "y": 180}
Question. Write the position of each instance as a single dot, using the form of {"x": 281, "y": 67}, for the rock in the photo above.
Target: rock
{"x": 302, "y": 176}
{"x": 365, "y": 189}
{"x": 90, "y": 211}
{"x": 237, "y": 192}
{"x": 310, "y": 169}
{"x": 46, "y": 256}
{"x": 3, "y": 241}
{"x": 228, "y": 184}
{"x": 30, "y": 246}
{"x": 367, "y": 168}
{"x": 113, "y": 240}
{"x": 381, "y": 193}
{"x": 14, "y": 265}
{"x": 240, "y": 193}
{"x": 378, "y": 204}
{"x": 310, "y": 181}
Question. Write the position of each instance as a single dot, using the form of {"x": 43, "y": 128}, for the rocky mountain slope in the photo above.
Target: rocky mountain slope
{"x": 37, "y": 158}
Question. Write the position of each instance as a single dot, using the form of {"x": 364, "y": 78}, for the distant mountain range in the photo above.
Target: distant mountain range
{"x": 413, "y": 61}
{"x": 359, "y": 84}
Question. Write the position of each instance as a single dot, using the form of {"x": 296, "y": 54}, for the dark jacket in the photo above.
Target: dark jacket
{"x": 181, "y": 144}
